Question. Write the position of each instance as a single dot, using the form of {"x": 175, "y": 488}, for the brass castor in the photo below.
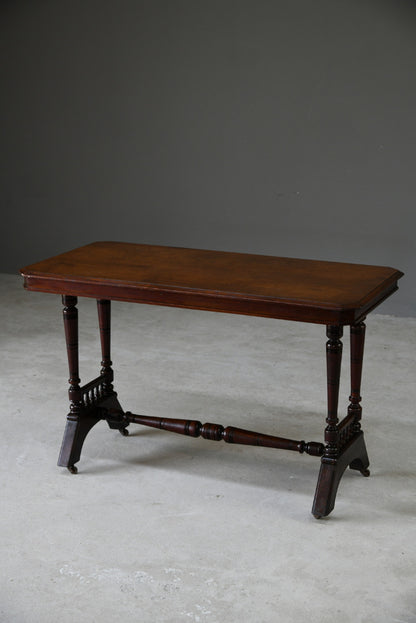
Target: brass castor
{"x": 73, "y": 469}
{"x": 124, "y": 432}
{"x": 365, "y": 472}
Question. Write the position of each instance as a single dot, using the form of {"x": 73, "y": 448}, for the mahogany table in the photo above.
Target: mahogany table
{"x": 329, "y": 293}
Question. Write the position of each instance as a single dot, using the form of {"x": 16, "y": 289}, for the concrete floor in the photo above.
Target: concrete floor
{"x": 158, "y": 527}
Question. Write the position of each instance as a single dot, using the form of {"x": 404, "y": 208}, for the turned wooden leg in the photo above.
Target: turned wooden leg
{"x": 333, "y": 363}
{"x": 357, "y": 352}
{"x": 361, "y": 461}
{"x": 78, "y": 423}
{"x": 104, "y": 321}
{"x": 345, "y": 441}
{"x": 329, "y": 475}
{"x": 111, "y": 402}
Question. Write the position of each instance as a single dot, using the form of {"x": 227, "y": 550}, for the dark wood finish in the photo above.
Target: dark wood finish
{"x": 333, "y": 363}
{"x": 259, "y": 285}
{"x": 346, "y": 429}
{"x": 230, "y": 434}
{"x": 87, "y": 402}
{"x": 104, "y": 321}
{"x": 330, "y": 293}
{"x": 353, "y": 454}
{"x": 70, "y": 315}
{"x": 76, "y": 428}
{"x": 93, "y": 391}
{"x": 329, "y": 475}
{"x": 345, "y": 441}
{"x": 357, "y": 338}
{"x": 107, "y": 374}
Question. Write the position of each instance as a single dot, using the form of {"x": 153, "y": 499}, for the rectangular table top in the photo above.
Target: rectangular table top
{"x": 257, "y": 285}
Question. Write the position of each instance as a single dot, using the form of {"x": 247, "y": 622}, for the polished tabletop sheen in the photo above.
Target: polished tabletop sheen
{"x": 259, "y": 285}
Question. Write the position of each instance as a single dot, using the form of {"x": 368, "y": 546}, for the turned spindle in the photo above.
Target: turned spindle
{"x": 230, "y": 434}
{"x": 333, "y": 359}
{"x": 357, "y": 352}
{"x": 70, "y": 316}
{"x": 104, "y": 321}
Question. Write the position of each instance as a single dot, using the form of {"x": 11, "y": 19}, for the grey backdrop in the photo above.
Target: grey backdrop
{"x": 284, "y": 127}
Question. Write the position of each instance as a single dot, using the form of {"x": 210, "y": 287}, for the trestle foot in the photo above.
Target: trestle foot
{"x": 354, "y": 454}
{"x": 77, "y": 429}
{"x": 75, "y": 433}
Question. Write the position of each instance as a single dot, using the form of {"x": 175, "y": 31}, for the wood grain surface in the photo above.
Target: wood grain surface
{"x": 259, "y": 285}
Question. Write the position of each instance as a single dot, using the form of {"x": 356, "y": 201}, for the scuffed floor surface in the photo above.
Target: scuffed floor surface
{"x": 158, "y": 527}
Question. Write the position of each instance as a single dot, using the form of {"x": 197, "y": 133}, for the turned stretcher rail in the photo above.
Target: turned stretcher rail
{"x": 230, "y": 434}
